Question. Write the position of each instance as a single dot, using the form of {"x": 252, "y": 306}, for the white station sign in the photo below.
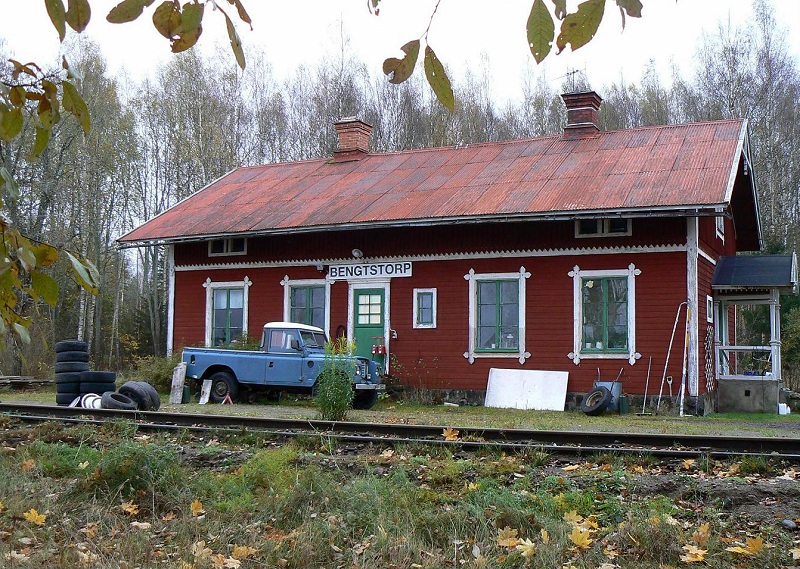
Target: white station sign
{"x": 358, "y": 271}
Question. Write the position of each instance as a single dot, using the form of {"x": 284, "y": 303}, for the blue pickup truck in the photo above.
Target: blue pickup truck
{"x": 290, "y": 359}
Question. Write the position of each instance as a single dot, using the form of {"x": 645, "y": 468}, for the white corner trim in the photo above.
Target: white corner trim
{"x": 472, "y": 277}
{"x": 170, "y": 299}
{"x": 288, "y": 283}
{"x": 692, "y": 285}
{"x": 577, "y": 332}
{"x": 415, "y": 308}
{"x": 210, "y": 286}
{"x": 706, "y": 256}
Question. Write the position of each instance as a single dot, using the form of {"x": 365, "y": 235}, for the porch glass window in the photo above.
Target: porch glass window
{"x": 228, "y": 314}
{"x": 307, "y": 305}
{"x": 498, "y": 316}
{"x": 605, "y": 315}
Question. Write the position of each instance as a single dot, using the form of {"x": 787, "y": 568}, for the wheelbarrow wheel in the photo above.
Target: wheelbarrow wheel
{"x": 596, "y": 401}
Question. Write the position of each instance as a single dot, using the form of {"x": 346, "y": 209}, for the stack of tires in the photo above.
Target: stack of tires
{"x": 98, "y": 382}
{"x": 72, "y": 359}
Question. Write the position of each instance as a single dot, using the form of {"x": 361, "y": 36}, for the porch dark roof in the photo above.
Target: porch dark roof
{"x": 756, "y": 272}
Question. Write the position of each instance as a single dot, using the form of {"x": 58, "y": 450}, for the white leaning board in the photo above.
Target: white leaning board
{"x": 540, "y": 390}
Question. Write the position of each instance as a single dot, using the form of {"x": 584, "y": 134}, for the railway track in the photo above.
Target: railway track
{"x": 562, "y": 442}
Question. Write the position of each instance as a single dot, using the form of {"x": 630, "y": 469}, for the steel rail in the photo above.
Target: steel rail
{"x": 393, "y": 433}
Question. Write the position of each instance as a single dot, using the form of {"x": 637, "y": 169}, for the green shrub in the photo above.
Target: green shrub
{"x": 334, "y": 387}
{"x": 131, "y": 469}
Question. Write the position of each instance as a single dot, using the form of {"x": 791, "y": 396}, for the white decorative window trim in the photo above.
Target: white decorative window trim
{"x": 472, "y": 278}
{"x": 417, "y": 292}
{"x": 288, "y": 284}
{"x": 719, "y": 222}
{"x": 577, "y": 275}
{"x": 210, "y": 287}
{"x": 603, "y": 228}
{"x": 228, "y": 247}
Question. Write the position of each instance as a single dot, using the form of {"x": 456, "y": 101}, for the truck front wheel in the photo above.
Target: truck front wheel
{"x": 223, "y": 384}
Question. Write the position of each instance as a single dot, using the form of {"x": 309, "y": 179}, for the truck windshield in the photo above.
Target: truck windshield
{"x": 313, "y": 339}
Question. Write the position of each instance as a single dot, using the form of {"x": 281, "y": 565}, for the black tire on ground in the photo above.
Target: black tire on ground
{"x": 68, "y": 377}
{"x": 154, "y": 396}
{"x": 71, "y": 346}
{"x": 71, "y": 387}
{"x": 138, "y": 394}
{"x": 62, "y": 367}
{"x": 223, "y": 384}
{"x": 72, "y": 356}
{"x": 114, "y": 400}
{"x": 365, "y": 399}
{"x": 99, "y": 376}
{"x": 65, "y": 398}
{"x": 596, "y": 401}
{"x": 99, "y": 388}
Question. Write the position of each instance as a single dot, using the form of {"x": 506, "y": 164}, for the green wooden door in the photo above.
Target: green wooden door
{"x": 368, "y": 320}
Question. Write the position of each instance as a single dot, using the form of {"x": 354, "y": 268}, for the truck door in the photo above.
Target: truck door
{"x": 284, "y": 363}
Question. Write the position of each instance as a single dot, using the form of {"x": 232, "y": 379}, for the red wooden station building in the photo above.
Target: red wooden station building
{"x": 575, "y": 252}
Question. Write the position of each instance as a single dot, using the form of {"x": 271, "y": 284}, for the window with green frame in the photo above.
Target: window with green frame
{"x": 228, "y": 315}
{"x": 424, "y": 308}
{"x": 307, "y": 305}
{"x": 498, "y": 316}
{"x": 604, "y": 306}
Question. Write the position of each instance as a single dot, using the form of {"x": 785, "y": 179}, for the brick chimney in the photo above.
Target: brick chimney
{"x": 583, "y": 110}
{"x": 353, "y": 139}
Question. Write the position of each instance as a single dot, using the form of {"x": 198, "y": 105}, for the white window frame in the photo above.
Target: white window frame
{"x": 210, "y": 287}
{"x": 472, "y": 279}
{"x": 604, "y": 228}
{"x": 227, "y": 246}
{"x": 576, "y": 355}
{"x": 417, "y": 292}
{"x": 709, "y": 309}
{"x": 288, "y": 284}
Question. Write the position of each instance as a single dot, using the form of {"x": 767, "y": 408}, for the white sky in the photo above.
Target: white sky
{"x": 293, "y": 32}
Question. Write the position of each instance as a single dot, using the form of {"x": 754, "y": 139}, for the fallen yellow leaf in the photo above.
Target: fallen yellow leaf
{"x": 200, "y": 551}
{"x": 242, "y": 552}
{"x": 90, "y": 530}
{"x": 527, "y": 548}
{"x": 688, "y": 463}
{"x": 795, "y": 553}
{"x": 701, "y": 535}
{"x": 580, "y": 538}
{"x": 129, "y": 508}
{"x": 141, "y": 525}
{"x": 571, "y": 467}
{"x": 752, "y": 546}
{"x": 572, "y": 517}
{"x": 693, "y": 554}
{"x": 197, "y": 508}
{"x": 35, "y": 517}
{"x": 450, "y": 434}
{"x": 545, "y": 536}
{"x": 507, "y": 537}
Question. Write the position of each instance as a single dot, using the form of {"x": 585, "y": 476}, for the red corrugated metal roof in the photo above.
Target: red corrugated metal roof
{"x": 676, "y": 166}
